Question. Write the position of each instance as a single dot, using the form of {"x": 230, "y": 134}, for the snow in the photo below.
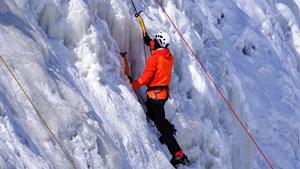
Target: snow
{"x": 66, "y": 56}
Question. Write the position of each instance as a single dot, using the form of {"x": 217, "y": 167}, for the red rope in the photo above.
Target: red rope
{"x": 217, "y": 88}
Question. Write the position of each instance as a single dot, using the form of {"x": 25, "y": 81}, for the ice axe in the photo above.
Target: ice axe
{"x": 138, "y": 16}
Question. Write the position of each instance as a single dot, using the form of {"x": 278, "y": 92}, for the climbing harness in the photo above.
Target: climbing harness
{"x": 216, "y": 86}
{"x": 158, "y": 92}
{"x": 40, "y": 116}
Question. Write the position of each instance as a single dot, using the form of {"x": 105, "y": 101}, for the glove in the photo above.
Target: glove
{"x": 147, "y": 39}
{"x": 136, "y": 84}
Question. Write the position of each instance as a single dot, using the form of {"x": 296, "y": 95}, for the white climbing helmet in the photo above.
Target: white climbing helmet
{"x": 163, "y": 39}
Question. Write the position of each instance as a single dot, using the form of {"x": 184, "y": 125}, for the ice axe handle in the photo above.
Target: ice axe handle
{"x": 141, "y": 23}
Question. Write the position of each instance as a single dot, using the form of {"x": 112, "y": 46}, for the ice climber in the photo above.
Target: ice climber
{"x": 157, "y": 77}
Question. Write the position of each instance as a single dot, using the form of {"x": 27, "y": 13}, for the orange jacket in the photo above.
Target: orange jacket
{"x": 158, "y": 69}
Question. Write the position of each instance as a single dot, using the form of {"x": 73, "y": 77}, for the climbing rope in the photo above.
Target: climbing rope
{"x": 216, "y": 87}
{"x": 39, "y": 115}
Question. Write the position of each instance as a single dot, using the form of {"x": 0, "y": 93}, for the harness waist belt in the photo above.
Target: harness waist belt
{"x": 158, "y": 88}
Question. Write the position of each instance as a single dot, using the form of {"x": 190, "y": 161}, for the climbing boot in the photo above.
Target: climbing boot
{"x": 179, "y": 159}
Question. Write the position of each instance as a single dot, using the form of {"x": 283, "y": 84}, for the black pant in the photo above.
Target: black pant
{"x": 156, "y": 113}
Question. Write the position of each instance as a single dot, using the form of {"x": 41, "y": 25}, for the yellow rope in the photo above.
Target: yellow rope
{"x": 40, "y": 116}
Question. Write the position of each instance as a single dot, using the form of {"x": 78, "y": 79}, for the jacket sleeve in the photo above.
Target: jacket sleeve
{"x": 148, "y": 73}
